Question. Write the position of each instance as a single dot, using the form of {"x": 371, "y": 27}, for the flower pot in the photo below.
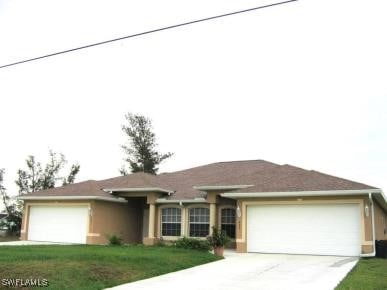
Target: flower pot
{"x": 218, "y": 251}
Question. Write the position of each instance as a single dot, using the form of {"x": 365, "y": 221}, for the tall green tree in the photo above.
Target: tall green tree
{"x": 141, "y": 151}
{"x": 13, "y": 208}
{"x": 35, "y": 177}
{"x": 3, "y": 192}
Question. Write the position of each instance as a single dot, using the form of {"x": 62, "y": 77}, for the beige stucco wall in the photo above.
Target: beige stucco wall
{"x": 125, "y": 219}
{"x": 122, "y": 219}
{"x": 380, "y": 222}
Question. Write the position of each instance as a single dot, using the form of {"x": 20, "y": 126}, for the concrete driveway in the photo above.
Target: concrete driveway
{"x": 255, "y": 271}
{"x": 28, "y": 243}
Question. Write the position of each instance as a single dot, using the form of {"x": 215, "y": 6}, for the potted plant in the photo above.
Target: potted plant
{"x": 218, "y": 240}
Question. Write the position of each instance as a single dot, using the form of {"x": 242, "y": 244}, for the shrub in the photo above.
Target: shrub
{"x": 160, "y": 242}
{"x": 218, "y": 238}
{"x": 115, "y": 240}
{"x": 193, "y": 244}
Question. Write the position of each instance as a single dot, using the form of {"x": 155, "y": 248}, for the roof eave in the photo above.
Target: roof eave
{"x": 303, "y": 193}
{"x": 137, "y": 189}
{"x": 72, "y": 197}
{"x": 221, "y": 187}
{"x": 170, "y": 201}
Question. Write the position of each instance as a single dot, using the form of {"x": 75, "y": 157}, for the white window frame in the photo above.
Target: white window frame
{"x": 189, "y": 220}
{"x": 161, "y": 220}
{"x": 221, "y": 221}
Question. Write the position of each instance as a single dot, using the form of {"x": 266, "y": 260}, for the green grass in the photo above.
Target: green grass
{"x": 368, "y": 274}
{"x": 94, "y": 267}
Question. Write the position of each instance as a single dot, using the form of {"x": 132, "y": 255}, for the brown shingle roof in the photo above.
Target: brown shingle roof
{"x": 264, "y": 176}
{"x": 84, "y": 188}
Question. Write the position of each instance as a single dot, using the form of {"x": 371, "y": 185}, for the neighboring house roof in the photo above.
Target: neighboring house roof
{"x": 250, "y": 175}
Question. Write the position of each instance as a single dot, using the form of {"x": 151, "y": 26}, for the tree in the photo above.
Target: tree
{"x": 142, "y": 155}
{"x": 34, "y": 178}
{"x": 3, "y": 192}
{"x": 13, "y": 208}
{"x": 73, "y": 173}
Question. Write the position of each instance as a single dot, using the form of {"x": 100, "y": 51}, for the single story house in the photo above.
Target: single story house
{"x": 264, "y": 207}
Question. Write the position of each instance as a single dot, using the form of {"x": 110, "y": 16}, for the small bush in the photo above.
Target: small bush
{"x": 193, "y": 244}
{"x": 115, "y": 240}
{"x": 218, "y": 238}
{"x": 160, "y": 242}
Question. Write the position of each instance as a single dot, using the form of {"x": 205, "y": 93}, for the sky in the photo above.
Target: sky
{"x": 302, "y": 83}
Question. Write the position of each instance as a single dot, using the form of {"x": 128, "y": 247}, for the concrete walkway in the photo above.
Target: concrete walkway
{"x": 28, "y": 243}
{"x": 254, "y": 272}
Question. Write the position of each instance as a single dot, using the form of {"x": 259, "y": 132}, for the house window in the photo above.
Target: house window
{"x": 171, "y": 221}
{"x": 228, "y": 221}
{"x": 199, "y": 222}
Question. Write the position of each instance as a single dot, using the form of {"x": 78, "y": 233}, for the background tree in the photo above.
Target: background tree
{"x": 36, "y": 178}
{"x": 141, "y": 152}
{"x": 3, "y": 192}
{"x": 32, "y": 179}
{"x": 13, "y": 208}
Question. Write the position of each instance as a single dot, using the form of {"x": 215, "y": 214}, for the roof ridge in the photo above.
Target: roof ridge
{"x": 246, "y": 160}
{"x": 219, "y": 162}
{"x": 126, "y": 176}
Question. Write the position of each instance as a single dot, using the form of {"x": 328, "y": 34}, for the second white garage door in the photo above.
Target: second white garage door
{"x": 332, "y": 229}
{"x": 68, "y": 224}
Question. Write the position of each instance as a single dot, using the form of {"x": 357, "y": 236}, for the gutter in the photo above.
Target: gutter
{"x": 137, "y": 189}
{"x": 373, "y": 228}
{"x": 181, "y": 201}
{"x": 85, "y": 197}
{"x": 221, "y": 187}
{"x": 301, "y": 193}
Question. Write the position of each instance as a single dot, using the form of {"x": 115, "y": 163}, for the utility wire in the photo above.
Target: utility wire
{"x": 146, "y": 32}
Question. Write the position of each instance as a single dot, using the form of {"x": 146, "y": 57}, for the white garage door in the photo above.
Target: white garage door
{"x": 67, "y": 224}
{"x": 304, "y": 229}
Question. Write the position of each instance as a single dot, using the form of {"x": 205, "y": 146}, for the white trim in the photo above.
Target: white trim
{"x": 221, "y": 187}
{"x": 161, "y": 221}
{"x": 84, "y": 197}
{"x": 195, "y": 200}
{"x": 302, "y": 193}
{"x": 137, "y": 189}
{"x": 189, "y": 219}
{"x": 93, "y": 234}
{"x": 159, "y": 226}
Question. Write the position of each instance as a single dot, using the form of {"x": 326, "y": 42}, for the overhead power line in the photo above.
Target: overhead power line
{"x": 145, "y": 32}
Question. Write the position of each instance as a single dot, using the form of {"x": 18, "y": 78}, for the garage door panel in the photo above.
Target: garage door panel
{"x": 67, "y": 224}
{"x": 304, "y": 229}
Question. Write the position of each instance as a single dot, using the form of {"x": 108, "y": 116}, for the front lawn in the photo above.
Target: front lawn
{"x": 94, "y": 267}
{"x": 368, "y": 274}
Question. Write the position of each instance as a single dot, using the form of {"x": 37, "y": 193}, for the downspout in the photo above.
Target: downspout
{"x": 373, "y": 228}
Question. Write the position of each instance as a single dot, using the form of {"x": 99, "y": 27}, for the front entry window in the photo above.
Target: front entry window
{"x": 228, "y": 222}
{"x": 199, "y": 222}
{"x": 171, "y": 221}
